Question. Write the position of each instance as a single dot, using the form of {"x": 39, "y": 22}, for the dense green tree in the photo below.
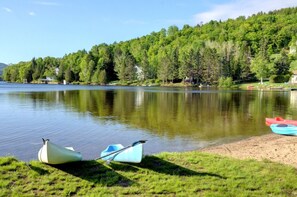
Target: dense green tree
{"x": 173, "y": 57}
{"x": 87, "y": 66}
{"x": 164, "y": 66}
{"x": 125, "y": 64}
{"x": 190, "y": 63}
{"x": 147, "y": 70}
{"x": 25, "y": 72}
{"x": 69, "y": 75}
{"x": 210, "y": 65}
{"x": 102, "y": 77}
{"x": 36, "y": 68}
{"x": 281, "y": 63}
{"x": 261, "y": 67}
{"x": 6, "y": 74}
{"x": 11, "y": 73}
{"x": 168, "y": 64}
{"x": 172, "y": 31}
{"x": 244, "y": 72}
{"x": 293, "y": 66}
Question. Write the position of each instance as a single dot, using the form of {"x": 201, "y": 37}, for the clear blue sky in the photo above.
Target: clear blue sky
{"x": 40, "y": 28}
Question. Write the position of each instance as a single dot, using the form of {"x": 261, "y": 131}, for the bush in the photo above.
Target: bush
{"x": 279, "y": 78}
{"x": 226, "y": 82}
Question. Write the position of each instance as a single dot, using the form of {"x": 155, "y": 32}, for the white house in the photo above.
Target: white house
{"x": 139, "y": 73}
{"x": 57, "y": 71}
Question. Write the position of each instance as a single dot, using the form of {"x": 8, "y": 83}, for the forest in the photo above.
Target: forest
{"x": 262, "y": 46}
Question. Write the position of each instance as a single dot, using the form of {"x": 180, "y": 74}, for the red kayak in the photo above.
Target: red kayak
{"x": 279, "y": 120}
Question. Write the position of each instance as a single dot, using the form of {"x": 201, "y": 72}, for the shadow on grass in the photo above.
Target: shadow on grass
{"x": 127, "y": 167}
{"x": 39, "y": 170}
{"x": 161, "y": 166}
{"x": 95, "y": 172}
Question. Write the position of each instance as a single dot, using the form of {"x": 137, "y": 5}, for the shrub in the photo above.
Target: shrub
{"x": 279, "y": 78}
{"x": 226, "y": 82}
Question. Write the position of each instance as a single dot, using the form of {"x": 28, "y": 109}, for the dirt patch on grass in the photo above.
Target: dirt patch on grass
{"x": 277, "y": 148}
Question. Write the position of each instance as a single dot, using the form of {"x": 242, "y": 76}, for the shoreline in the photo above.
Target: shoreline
{"x": 276, "y": 148}
{"x": 273, "y": 147}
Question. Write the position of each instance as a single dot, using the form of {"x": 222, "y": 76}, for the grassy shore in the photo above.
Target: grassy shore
{"x": 267, "y": 86}
{"x": 166, "y": 174}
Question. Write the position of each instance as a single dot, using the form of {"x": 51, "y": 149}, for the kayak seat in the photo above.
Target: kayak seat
{"x": 114, "y": 147}
{"x": 282, "y": 125}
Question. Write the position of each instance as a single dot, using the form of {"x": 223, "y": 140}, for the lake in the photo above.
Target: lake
{"x": 89, "y": 118}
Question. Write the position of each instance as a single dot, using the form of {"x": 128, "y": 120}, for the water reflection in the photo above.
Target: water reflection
{"x": 201, "y": 115}
{"x": 293, "y": 99}
{"x": 174, "y": 119}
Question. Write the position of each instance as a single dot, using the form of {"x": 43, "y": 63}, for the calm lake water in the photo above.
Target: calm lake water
{"x": 89, "y": 118}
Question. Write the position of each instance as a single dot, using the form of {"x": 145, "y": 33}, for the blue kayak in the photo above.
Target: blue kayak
{"x": 284, "y": 129}
{"x": 129, "y": 154}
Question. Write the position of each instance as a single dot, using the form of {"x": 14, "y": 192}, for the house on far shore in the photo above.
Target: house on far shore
{"x": 294, "y": 77}
{"x": 139, "y": 73}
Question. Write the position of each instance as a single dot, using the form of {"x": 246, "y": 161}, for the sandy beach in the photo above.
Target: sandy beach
{"x": 277, "y": 148}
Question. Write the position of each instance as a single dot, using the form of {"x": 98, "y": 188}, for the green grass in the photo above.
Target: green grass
{"x": 165, "y": 174}
{"x": 267, "y": 85}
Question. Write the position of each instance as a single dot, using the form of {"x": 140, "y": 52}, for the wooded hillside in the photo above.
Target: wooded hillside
{"x": 242, "y": 49}
{"x": 2, "y": 66}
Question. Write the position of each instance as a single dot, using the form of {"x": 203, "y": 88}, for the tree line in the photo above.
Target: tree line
{"x": 241, "y": 49}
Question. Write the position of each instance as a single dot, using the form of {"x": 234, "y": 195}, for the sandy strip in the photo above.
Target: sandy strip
{"x": 277, "y": 148}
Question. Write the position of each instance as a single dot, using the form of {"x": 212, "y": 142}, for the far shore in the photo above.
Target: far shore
{"x": 243, "y": 86}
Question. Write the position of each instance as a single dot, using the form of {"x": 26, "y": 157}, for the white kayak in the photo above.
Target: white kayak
{"x": 51, "y": 153}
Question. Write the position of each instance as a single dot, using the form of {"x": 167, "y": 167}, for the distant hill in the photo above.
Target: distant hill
{"x": 2, "y": 66}
{"x": 238, "y": 49}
